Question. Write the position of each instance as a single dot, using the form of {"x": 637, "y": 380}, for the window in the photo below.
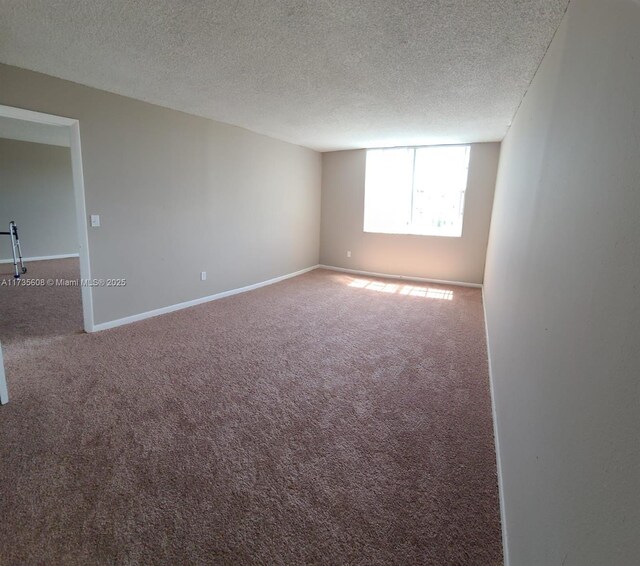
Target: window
{"x": 416, "y": 190}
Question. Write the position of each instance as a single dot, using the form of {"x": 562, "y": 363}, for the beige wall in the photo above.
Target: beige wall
{"x": 178, "y": 195}
{"x": 562, "y": 291}
{"x": 36, "y": 190}
{"x": 453, "y": 259}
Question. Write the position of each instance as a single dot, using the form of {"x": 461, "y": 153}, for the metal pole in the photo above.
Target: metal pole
{"x": 23, "y": 269}
{"x": 13, "y": 250}
{"x": 15, "y": 247}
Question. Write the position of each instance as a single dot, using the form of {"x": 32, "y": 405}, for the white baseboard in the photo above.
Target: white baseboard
{"x": 41, "y": 258}
{"x": 402, "y": 277}
{"x": 194, "y": 302}
{"x": 503, "y": 516}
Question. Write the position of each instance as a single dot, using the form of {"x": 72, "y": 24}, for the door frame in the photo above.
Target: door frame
{"x": 4, "y": 392}
{"x": 73, "y": 128}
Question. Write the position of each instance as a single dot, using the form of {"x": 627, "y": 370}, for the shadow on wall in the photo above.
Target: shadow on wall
{"x": 563, "y": 347}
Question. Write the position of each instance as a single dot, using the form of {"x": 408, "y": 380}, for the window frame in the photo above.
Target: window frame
{"x": 411, "y": 231}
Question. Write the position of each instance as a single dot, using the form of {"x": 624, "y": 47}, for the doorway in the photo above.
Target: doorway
{"x": 71, "y": 128}
{"x": 43, "y": 187}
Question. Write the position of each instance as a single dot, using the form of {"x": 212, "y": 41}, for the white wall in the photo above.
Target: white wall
{"x": 178, "y": 195}
{"x": 562, "y": 292}
{"x": 36, "y": 190}
{"x": 453, "y": 259}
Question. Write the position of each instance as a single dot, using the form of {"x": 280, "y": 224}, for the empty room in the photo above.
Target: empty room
{"x": 332, "y": 282}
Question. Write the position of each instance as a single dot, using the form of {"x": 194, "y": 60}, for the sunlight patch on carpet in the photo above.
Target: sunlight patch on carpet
{"x": 411, "y": 290}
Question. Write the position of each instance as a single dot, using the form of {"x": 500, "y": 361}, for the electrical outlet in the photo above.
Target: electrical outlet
{"x": 349, "y": 253}
{"x": 203, "y": 276}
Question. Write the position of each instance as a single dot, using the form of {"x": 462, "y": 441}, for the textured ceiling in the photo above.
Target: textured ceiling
{"x": 327, "y": 74}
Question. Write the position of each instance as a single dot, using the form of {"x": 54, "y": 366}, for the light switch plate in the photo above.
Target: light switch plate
{"x": 95, "y": 220}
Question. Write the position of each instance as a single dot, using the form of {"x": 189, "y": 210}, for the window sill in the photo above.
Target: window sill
{"x": 413, "y": 234}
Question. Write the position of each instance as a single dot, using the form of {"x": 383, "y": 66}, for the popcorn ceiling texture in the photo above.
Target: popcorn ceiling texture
{"x": 332, "y": 74}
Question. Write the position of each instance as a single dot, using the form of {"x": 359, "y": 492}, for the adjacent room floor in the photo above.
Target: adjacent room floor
{"x": 31, "y": 311}
{"x": 327, "y": 419}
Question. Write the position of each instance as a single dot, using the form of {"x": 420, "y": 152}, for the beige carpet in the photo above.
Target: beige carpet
{"x": 31, "y": 311}
{"x": 327, "y": 419}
